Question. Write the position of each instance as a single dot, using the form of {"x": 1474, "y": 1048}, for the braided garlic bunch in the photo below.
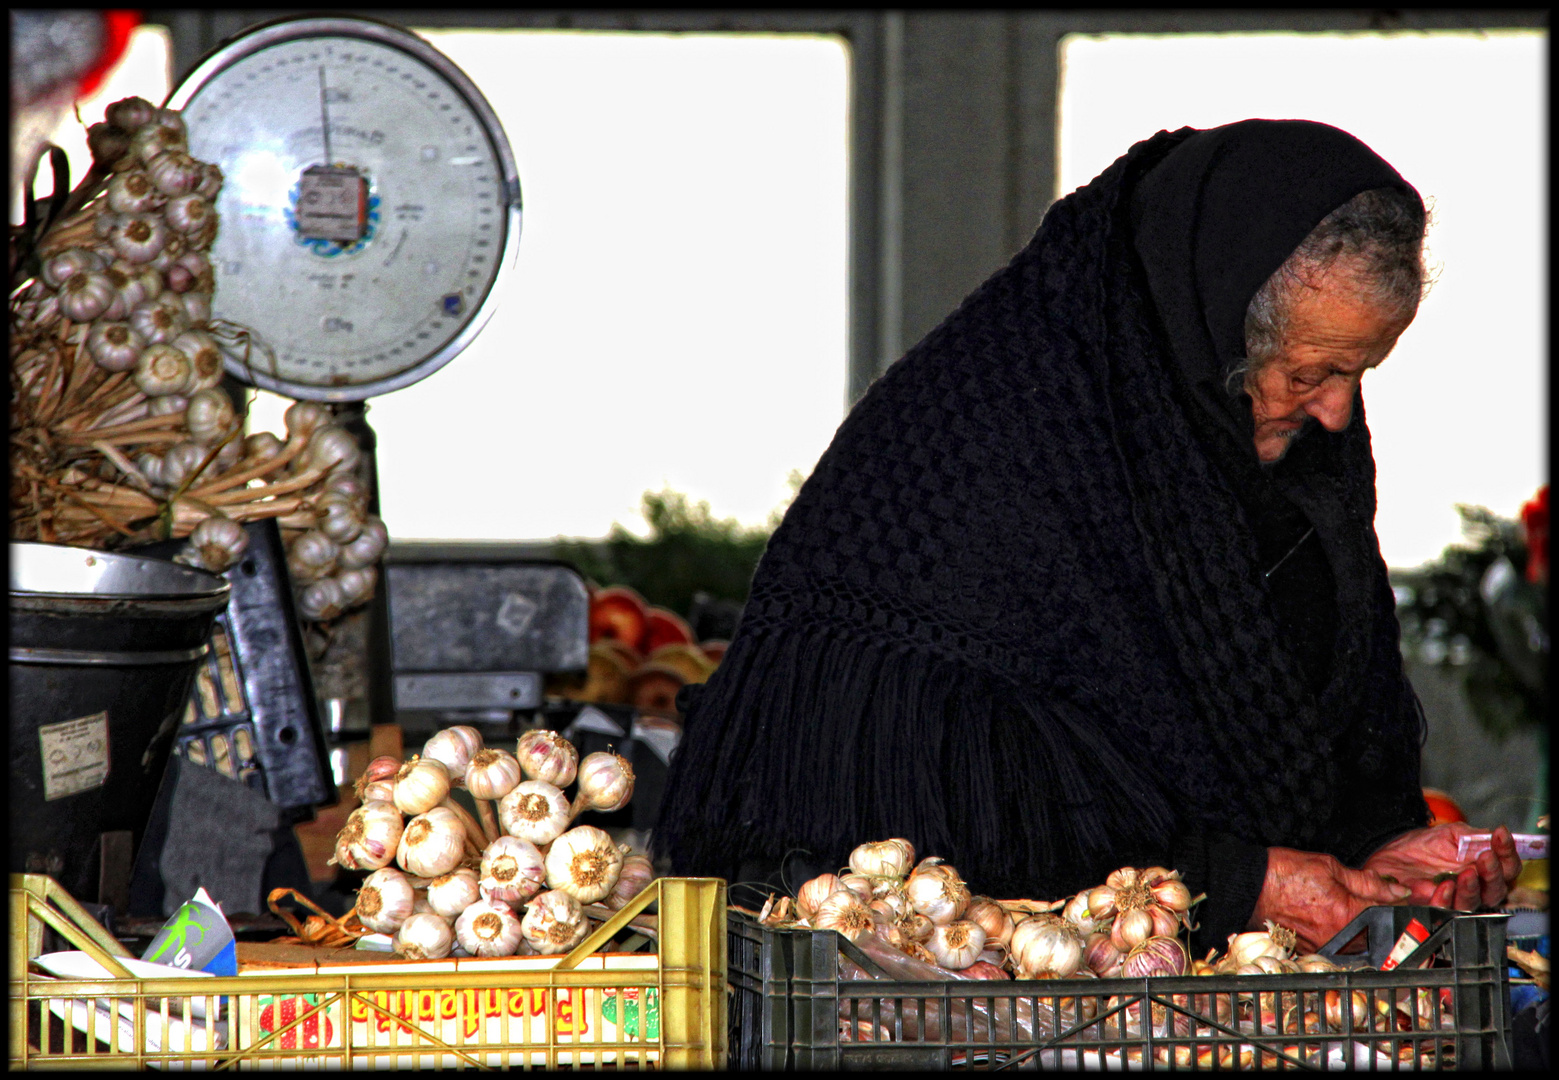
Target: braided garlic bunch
{"x": 121, "y": 432}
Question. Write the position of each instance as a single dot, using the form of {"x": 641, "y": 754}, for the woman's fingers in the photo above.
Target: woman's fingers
{"x": 1371, "y": 888}
{"x": 1504, "y": 848}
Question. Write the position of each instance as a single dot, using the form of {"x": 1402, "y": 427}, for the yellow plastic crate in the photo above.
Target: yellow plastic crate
{"x": 585, "y": 1009}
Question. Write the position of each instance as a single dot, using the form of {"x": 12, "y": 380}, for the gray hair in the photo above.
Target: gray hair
{"x": 1381, "y": 229}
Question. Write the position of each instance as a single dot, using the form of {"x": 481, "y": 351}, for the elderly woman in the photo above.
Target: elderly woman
{"x": 1089, "y": 578}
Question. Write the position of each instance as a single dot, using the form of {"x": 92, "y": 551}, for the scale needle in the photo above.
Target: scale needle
{"x": 324, "y": 113}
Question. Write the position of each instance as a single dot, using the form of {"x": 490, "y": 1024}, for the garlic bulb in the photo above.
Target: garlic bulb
{"x": 585, "y": 863}
{"x": 883, "y": 858}
{"x": 132, "y": 192}
{"x": 554, "y": 923}
{"x": 203, "y": 355}
{"x": 186, "y": 214}
{"x": 1276, "y": 941}
{"x": 992, "y": 917}
{"x": 936, "y": 896}
{"x": 209, "y": 417}
{"x": 180, "y": 463}
{"x": 130, "y": 114}
{"x": 302, "y": 417}
{"x": 957, "y": 945}
{"x": 330, "y": 447}
{"x": 366, "y": 549}
{"x": 377, "y": 789}
{"x": 341, "y": 519}
{"x": 605, "y": 782}
{"x": 454, "y": 747}
{"x": 321, "y": 600}
{"x": 357, "y": 587}
{"x": 114, "y": 345}
{"x": 636, "y": 875}
{"x": 917, "y": 927}
{"x": 1157, "y": 955}
{"x": 433, "y": 842}
{"x": 1131, "y": 928}
{"x": 385, "y": 901}
{"x": 547, "y": 756}
{"x": 1315, "y": 962}
{"x": 262, "y": 446}
{"x": 61, "y": 267}
{"x": 843, "y": 912}
{"x": 424, "y": 936}
{"x": 488, "y": 928}
{"x": 162, "y": 370}
{"x": 1045, "y": 944}
{"x": 1172, "y": 894}
{"x": 455, "y": 891}
{"x": 173, "y": 172}
{"x": 419, "y": 902}
{"x": 218, "y": 542}
{"x": 812, "y": 893}
{"x": 158, "y": 323}
{"x": 891, "y": 905}
{"x": 420, "y": 785}
{"x": 860, "y": 885}
{"x": 369, "y": 838}
{"x": 138, "y": 238}
{"x": 383, "y": 767}
{"x": 535, "y": 811}
{"x": 1101, "y": 956}
{"x": 86, "y": 296}
{"x": 512, "y": 870}
{"x": 312, "y": 556}
{"x": 196, "y": 307}
{"x": 492, "y": 774}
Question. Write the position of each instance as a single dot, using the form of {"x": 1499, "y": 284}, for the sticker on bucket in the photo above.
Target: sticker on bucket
{"x": 75, "y": 755}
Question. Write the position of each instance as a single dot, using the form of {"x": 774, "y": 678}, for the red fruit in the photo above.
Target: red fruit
{"x": 664, "y": 627}
{"x": 1442, "y": 808}
{"x": 618, "y": 613}
{"x": 715, "y": 650}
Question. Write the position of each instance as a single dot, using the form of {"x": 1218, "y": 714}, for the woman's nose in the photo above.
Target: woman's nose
{"x": 1332, "y": 408}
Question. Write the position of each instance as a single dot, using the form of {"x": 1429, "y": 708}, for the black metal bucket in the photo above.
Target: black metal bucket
{"x": 103, "y": 648}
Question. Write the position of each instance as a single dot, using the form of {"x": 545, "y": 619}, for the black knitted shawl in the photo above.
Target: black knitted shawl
{"x": 1017, "y": 614}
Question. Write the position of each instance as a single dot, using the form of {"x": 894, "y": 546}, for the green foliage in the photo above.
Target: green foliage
{"x": 1471, "y": 610}
{"x": 688, "y": 551}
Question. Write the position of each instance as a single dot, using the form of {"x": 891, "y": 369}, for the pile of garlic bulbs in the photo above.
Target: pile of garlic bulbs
{"x": 516, "y": 879}
{"x": 120, "y": 430}
{"x": 926, "y": 911}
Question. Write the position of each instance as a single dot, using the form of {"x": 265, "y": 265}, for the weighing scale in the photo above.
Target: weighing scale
{"x": 370, "y": 211}
{"x": 370, "y": 215}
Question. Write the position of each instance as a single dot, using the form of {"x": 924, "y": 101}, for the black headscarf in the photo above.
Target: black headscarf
{"x": 1018, "y": 615}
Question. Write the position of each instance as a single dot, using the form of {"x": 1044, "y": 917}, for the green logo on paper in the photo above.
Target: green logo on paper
{"x": 630, "y": 1011}
{"x": 183, "y": 922}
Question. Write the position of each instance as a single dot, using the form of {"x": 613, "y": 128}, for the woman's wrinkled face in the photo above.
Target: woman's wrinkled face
{"x": 1334, "y": 334}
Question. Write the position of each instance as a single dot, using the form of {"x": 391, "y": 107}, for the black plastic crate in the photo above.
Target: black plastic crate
{"x": 797, "y": 1002}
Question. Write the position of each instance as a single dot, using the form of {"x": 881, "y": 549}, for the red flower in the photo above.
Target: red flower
{"x": 1534, "y": 523}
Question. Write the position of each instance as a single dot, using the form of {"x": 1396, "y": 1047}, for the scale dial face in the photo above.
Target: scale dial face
{"x": 370, "y": 209}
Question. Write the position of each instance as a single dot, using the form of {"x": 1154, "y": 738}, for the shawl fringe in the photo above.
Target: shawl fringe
{"x": 830, "y": 741}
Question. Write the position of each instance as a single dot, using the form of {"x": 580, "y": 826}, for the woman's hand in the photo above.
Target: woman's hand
{"x": 1418, "y": 858}
{"x": 1315, "y": 896}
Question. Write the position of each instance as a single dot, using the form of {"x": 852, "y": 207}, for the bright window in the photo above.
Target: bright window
{"x": 1459, "y": 412}
{"x": 679, "y": 314}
